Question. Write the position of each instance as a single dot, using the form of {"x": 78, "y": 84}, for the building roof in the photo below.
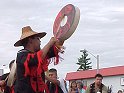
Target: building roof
{"x": 112, "y": 71}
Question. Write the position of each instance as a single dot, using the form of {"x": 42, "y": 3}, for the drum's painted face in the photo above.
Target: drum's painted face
{"x": 66, "y": 22}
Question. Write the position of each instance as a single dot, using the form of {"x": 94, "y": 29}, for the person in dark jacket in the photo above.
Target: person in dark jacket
{"x": 55, "y": 84}
{"x": 97, "y": 86}
{"x": 32, "y": 61}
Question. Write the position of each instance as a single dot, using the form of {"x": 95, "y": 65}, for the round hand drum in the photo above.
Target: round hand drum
{"x": 66, "y": 22}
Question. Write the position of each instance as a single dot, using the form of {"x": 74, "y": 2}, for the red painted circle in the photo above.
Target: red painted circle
{"x": 60, "y": 32}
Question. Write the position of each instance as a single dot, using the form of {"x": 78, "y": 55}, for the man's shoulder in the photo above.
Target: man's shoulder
{"x": 23, "y": 51}
{"x": 105, "y": 87}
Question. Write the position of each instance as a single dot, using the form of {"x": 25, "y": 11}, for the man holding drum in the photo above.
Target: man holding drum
{"x": 32, "y": 61}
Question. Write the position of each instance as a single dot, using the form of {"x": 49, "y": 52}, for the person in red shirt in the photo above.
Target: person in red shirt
{"x": 32, "y": 61}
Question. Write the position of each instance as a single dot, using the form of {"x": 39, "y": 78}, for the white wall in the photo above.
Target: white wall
{"x": 114, "y": 81}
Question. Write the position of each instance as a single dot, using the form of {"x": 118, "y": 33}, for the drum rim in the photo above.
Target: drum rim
{"x": 73, "y": 26}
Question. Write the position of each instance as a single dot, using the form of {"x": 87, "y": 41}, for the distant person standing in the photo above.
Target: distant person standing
{"x": 55, "y": 84}
{"x": 97, "y": 86}
{"x": 73, "y": 87}
{"x": 80, "y": 87}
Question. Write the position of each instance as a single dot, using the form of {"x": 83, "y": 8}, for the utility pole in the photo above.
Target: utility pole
{"x": 97, "y": 59}
{"x": 97, "y": 64}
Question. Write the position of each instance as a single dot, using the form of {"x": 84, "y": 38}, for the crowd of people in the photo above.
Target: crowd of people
{"x": 32, "y": 63}
{"x": 76, "y": 87}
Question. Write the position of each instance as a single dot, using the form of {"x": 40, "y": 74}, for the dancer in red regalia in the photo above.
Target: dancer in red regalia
{"x": 32, "y": 61}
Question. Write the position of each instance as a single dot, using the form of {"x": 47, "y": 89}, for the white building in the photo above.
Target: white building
{"x": 112, "y": 77}
{"x": 1, "y": 72}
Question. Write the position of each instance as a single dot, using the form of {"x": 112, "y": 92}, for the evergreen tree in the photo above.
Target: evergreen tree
{"x": 83, "y": 61}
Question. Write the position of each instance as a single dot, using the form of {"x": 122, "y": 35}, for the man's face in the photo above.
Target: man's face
{"x": 36, "y": 43}
{"x": 98, "y": 81}
{"x": 53, "y": 75}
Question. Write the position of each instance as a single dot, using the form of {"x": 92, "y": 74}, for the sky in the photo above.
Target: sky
{"x": 100, "y": 30}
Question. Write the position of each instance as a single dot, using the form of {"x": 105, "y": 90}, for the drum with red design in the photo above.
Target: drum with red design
{"x": 66, "y": 22}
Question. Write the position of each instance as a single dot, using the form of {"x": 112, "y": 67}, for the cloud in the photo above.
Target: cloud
{"x": 100, "y": 29}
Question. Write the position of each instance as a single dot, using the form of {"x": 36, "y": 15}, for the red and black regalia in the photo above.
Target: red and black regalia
{"x": 30, "y": 71}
